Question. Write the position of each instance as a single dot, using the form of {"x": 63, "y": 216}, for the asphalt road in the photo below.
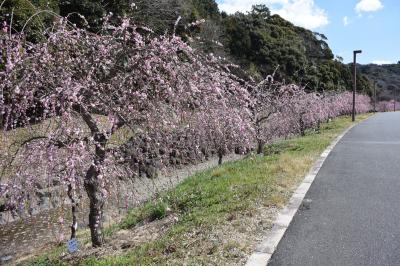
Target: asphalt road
{"x": 354, "y": 216}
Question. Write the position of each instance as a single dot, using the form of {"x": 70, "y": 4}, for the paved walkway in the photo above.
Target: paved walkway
{"x": 354, "y": 216}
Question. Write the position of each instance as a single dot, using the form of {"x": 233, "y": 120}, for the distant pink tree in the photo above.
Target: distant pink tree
{"x": 225, "y": 130}
{"x": 387, "y": 106}
{"x": 270, "y": 101}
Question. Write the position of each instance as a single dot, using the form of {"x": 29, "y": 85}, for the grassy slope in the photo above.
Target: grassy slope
{"x": 226, "y": 197}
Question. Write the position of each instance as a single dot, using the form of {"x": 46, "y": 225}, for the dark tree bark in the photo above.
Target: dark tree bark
{"x": 260, "y": 146}
{"x": 92, "y": 182}
{"x": 302, "y": 127}
{"x": 93, "y": 190}
{"x": 220, "y": 155}
{"x": 260, "y": 142}
{"x": 74, "y": 205}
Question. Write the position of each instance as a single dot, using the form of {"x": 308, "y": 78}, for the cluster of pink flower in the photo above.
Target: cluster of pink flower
{"x": 387, "y": 106}
{"x": 282, "y": 110}
{"x": 196, "y": 23}
{"x": 141, "y": 83}
{"x": 4, "y": 28}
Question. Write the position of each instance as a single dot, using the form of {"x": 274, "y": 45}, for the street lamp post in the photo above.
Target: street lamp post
{"x": 375, "y": 83}
{"x": 353, "y": 116}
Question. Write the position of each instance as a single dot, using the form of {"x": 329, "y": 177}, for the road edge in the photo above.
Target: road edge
{"x": 264, "y": 251}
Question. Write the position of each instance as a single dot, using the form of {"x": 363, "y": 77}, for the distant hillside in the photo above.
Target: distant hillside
{"x": 387, "y": 78}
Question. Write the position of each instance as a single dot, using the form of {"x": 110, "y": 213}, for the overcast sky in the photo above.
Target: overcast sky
{"x": 370, "y": 25}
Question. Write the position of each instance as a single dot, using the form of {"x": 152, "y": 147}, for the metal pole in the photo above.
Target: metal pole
{"x": 375, "y": 96}
{"x": 394, "y": 99}
{"x": 353, "y": 115}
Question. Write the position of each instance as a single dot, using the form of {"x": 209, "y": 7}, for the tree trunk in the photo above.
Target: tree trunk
{"x": 93, "y": 188}
{"x": 2, "y": 109}
{"x": 302, "y": 128}
{"x": 220, "y": 155}
{"x": 93, "y": 182}
{"x": 96, "y": 202}
{"x": 260, "y": 147}
{"x": 74, "y": 205}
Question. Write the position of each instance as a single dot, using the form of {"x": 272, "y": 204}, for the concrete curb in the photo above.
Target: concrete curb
{"x": 267, "y": 247}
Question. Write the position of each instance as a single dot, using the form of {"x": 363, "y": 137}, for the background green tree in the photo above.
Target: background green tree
{"x": 20, "y": 13}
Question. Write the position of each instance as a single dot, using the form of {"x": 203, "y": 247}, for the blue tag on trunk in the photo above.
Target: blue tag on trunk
{"x": 73, "y": 245}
